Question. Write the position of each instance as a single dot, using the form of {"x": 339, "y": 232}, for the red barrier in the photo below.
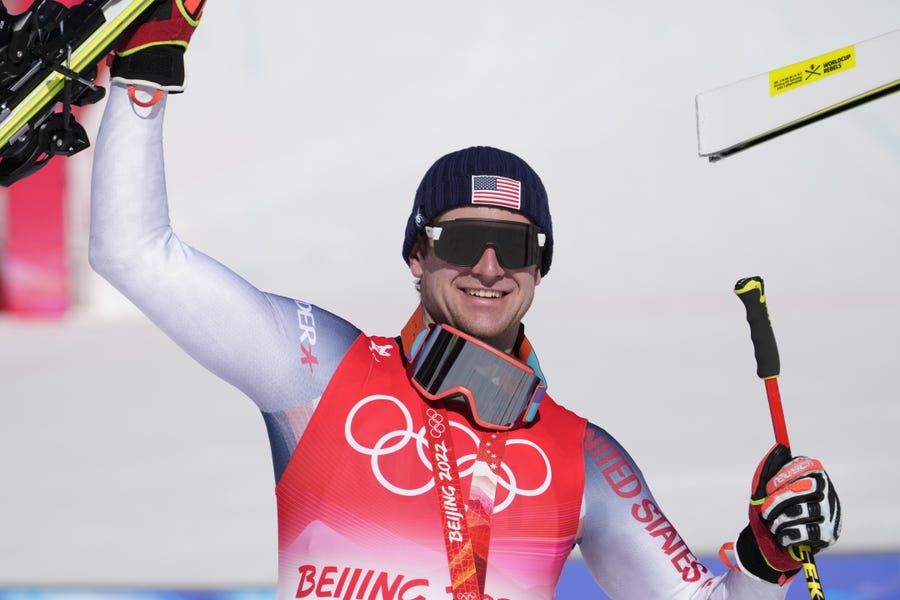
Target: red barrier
{"x": 35, "y": 279}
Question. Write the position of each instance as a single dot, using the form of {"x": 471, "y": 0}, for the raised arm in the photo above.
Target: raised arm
{"x": 247, "y": 337}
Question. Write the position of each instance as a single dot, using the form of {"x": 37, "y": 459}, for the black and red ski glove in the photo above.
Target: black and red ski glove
{"x": 152, "y": 52}
{"x": 793, "y": 502}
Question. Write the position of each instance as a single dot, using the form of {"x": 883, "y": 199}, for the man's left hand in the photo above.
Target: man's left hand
{"x": 800, "y": 505}
{"x": 793, "y": 502}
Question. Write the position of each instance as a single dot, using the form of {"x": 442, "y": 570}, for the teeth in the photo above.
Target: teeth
{"x": 484, "y": 293}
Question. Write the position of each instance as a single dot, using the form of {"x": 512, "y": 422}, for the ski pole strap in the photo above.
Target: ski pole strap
{"x": 467, "y": 529}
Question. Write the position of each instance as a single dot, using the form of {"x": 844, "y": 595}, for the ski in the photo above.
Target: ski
{"x": 48, "y": 63}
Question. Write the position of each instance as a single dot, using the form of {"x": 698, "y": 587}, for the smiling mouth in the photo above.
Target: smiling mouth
{"x": 485, "y": 293}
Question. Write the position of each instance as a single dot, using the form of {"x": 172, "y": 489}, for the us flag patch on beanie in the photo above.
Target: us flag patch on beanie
{"x": 497, "y": 191}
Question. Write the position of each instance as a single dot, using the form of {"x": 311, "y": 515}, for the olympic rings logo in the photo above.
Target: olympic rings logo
{"x": 396, "y": 440}
{"x": 435, "y": 423}
{"x": 466, "y": 596}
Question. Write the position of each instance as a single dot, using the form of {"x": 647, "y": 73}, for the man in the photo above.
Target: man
{"x": 430, "y": 465}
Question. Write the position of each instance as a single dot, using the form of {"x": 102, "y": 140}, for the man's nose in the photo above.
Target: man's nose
{"x": 488, "y": 264}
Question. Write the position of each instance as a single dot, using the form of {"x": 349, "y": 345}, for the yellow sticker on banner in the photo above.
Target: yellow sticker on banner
{"x": 808, "y": 71}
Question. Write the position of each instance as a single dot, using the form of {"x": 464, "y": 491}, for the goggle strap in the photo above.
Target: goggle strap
{"x": 414, "y": 332}
{"x": 531, "y": 415}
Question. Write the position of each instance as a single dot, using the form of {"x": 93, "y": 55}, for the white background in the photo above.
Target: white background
{"x": 293, "y": 158}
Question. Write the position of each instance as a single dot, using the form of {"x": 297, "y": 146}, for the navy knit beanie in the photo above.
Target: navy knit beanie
{"x": 481, "y": 176}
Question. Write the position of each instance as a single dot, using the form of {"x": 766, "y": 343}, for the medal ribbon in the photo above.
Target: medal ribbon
{"x": 466, "y": 527}
{"x": 482, "y": 492}
{"x": 467, "y": 531}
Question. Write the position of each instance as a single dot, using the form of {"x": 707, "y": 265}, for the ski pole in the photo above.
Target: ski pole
{"x": 751, "y": 292}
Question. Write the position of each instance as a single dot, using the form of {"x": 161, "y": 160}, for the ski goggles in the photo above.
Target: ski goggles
{"x": 461, "y": 242}
{"x": 500, "y": 392}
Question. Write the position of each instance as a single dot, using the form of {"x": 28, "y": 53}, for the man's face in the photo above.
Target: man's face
{"x": 485, "y": 300}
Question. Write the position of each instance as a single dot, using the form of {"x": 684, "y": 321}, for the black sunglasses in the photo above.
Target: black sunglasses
{"x": 461, "y": 242}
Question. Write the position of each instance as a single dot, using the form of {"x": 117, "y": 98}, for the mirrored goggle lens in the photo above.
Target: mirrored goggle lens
{"x": 461, "y": 242}
{"x": 498, "y": 389}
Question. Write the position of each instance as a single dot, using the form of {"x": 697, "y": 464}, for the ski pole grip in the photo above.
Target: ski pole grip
{"x": 751, "y": 292}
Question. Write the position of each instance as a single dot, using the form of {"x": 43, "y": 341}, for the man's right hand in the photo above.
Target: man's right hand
{"x": 152, "y": 53}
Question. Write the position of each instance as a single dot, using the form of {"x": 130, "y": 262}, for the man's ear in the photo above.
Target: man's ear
{"x": 416, "y": 258}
